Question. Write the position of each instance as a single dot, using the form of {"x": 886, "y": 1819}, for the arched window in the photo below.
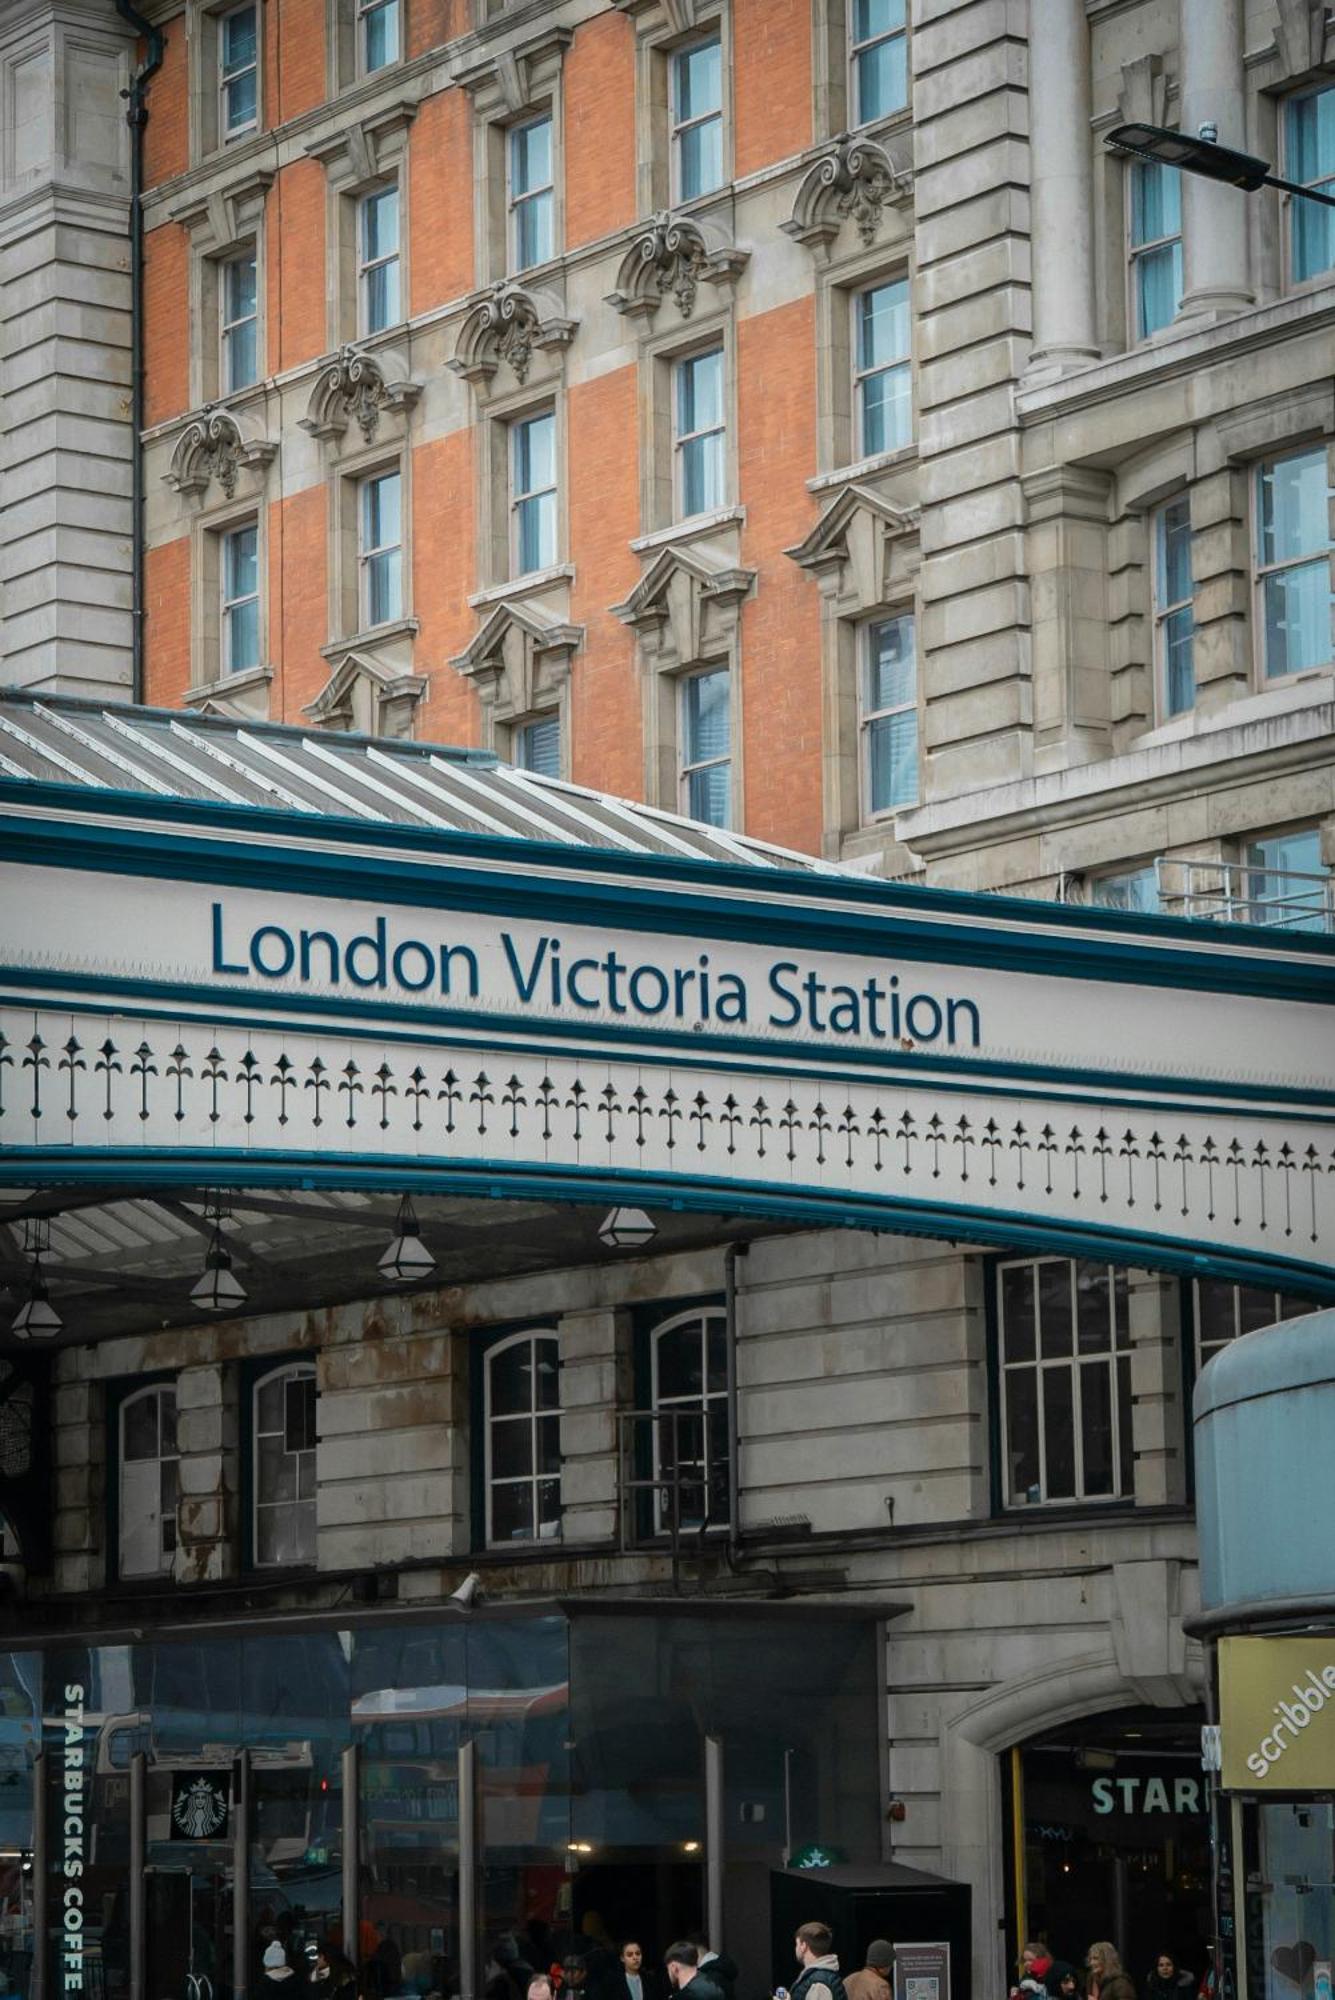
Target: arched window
{"x": 11, "y": 1548}
{"x": 523, "y": 1439}
{"x": 690, "y": 1398}
{"x": 149, "y": 1484}
{"x": 283, "y": 1521}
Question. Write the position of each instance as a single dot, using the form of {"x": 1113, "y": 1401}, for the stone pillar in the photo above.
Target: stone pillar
{"x": 66, "y": 445}
{"x": 1214, "y": 217}
{"x": 971, "y": 294}
{"x": 206, "y": 1438}
{"x": 79, "y": 1557}
{"x": 1061, "y": 188}
{"x": 1221, "y": 579}
{"x": 1157, "y": 1417}
{"x": 1068, "y": 585}
{"x": 595, "y": 1383}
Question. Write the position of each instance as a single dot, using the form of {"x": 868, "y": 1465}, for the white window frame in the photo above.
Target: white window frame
{"x": 857, "y": 49}
{"x": 1294, "y": 203}
{"x": 228, "y": 329}
{"x": 521, "y": 498}
{"x": 1261, "y": 571}
{"x": 1162, "y": 609}
{"x": 1287, "y": 1305}
{"x": 1136, "y": 254}
{"x": 229, "y": 605}
{"x": 1141, "y": 871}
{"x": 518, "y": 200}
{"x": 713, "y": 1402}
{"x": 534, "y": 1479}
{"x": 288, "y": 1371}
{"x": 369, "y": 553}
{"x": 686, "y": 766}
{"x": 862, "y": 375}
{"x": 683, "y": 439}
{"x": 366, "y": 11}
{"x": 368, "y": 265}
{"x": 868, "y": 716}
{"x": 1111, "y": 1359}
{"x": 521, "y": 733}
{"x": 678, "y": 125}
{"x": 154, "y": 1392}
{"x": 226, "y": 130}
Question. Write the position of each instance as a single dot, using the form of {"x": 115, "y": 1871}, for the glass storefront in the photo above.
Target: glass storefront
{"x": 589, "y": 1735}
{"x": 1116, "y": 1839}
{"x": 1288, "y": 1856}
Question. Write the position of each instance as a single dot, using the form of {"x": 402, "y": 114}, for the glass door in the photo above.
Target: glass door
{"x": 188, "y": 1901}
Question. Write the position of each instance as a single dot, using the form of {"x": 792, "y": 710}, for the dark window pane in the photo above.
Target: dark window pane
{"x": 1291, "y": 1307}
{"x": 512, "y": 1448}
{"x": 1096, "y": 1429}
{"x": 511, "y": 1379}
{"x": 549, "y": 1444}
{"x": 1126, "y": 1470}
{"x": 141, "y": 1428}
{"x": 1058, "y": 1435}
{"x": 1093, "y": 1326}
{"x": 299, "y": 1414}
{"x": 1017, "y": 1312}
{"x": 717, "y": 1336}
{"x": 1215, "y": 1310}
{"x": 680, "y": 1361}
{"x": 1255, "y": 1308}
{"x": 549, "y": 1506}
{"x": 548, "y": 1374}
{"x": 1054, "y": 1309}
{"x": 1121, "y": 1308}
{"x": 512, "y": 1513}
{"x": 1022, "y": 1434}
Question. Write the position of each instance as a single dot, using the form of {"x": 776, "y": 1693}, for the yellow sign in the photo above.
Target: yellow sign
{"x": 1277, "y": 1714}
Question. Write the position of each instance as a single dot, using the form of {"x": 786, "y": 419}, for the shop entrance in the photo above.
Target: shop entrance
{"x": 188, "y": 1930}
{"x": 1116, "y": 1839}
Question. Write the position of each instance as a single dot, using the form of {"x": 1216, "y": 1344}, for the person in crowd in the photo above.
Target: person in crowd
{"x": 1168, "y": 1981}
{"x": 873, "y": 1982}
{"x": 716, "y": 1965}
{"x": 1040, "y": 1973}
{"x": 1108, "y": 1979}
{"x": 819, "y": 1978}
{"x": 332, "y": 1975}
{"x": 632, "y": 1979}
{"x": 540, "y": 1987}
{"x": 1068, "y": 1986}
{"x": 682, "y": 1964}
{"x": 274, "y": 1969}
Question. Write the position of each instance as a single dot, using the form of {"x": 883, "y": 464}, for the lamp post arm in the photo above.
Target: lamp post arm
{"x": 1294, "y": 187}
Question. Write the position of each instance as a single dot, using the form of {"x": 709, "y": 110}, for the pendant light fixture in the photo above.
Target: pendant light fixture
{"x": 217, "y": 1289}
{"x": 626, "y": 1229}
{"x": 36, "y": 1318}
{"x": 406, "y": 1257}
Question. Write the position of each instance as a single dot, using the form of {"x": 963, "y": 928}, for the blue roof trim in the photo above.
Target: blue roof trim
{"x": 121, "y": 1168}
{"x": 1291, "y": 967}
{"x": 952, "y": 1074}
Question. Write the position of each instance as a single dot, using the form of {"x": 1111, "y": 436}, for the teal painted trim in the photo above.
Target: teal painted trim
{"x": 764, "y": 1058}
{"x": 1013, "y": 936}
{"x": 118, "y": 1168}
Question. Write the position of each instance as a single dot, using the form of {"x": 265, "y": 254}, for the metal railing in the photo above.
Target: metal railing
{"x": 1231, "y": 892}
{"x": 670, "y": 1466}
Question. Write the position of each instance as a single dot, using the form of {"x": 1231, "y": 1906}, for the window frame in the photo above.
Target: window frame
{"x": 546, "y": 190}
{"x": 861, "y": 374}
{"x": 1293, "y": 205}
{"x": 268, "y": 1370}
{"x": 683, "y": 440}
{"x": 880, "y": 816}
{"x": 124, "y": 1398}
{"x": 1137, "y": 872}
{"x": 687, "y": 766}
{"x": 368, "y": 553}
{"x": 227, "y": 132}
{"x": 365, "y": 10}
{"x": 227, "y": 328}
{"x": 1262, "y": 571}
{"x": 1199, "y": 1358}
{"x": 369, "y": 266}
{"x": 229, "y": 604}
{"x": 518, "y": 499}
{"x": 712, "y": 34}
{"x": 1162, "y": 611}
{"x": 520, "y": 731}
{"x": 1137, "y": 253}
{"x": 856, "y": 49}
{"x": 1115, "y": 1359}
{"x": 656, "y": 1330}
{"x": 533, "y": 1479}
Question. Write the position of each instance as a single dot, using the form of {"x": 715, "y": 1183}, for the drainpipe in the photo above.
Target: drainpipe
{"x": 136, "y": 117}
{"x": 733, "y": 1252}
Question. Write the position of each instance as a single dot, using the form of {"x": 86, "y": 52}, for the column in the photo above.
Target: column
{"x": 1214, "y": 217}
{"x": 1061, "y": 188}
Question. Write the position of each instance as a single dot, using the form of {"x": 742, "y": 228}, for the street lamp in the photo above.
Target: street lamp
{"x": 1204, "y": 155}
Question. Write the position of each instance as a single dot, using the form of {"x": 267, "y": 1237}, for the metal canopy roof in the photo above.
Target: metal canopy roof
{"x": 212, "y": 760}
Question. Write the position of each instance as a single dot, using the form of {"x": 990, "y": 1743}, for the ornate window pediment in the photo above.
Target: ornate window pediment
{"x": 214, "y": 449}
{"x": 507, "y": 324}
{"x": 368, "y": 696}
{"x": 520, "y": 660}
{"x": 857, "y": 178}
{"x": 1304, "y": 36}
{"x": 686, "y": 606}
{"x": 673, "y": 254}
{"x": 359, "y": 388}
{"x": 863, "y": 547}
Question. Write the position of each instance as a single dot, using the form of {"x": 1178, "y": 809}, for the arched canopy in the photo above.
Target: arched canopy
{"x": 248, "y": 956}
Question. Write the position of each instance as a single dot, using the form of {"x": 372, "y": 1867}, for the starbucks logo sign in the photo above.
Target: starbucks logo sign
{"x": 200, "y": 1806}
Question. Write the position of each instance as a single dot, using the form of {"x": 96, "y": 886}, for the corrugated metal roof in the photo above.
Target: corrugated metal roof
{"x": 166, "y": 753}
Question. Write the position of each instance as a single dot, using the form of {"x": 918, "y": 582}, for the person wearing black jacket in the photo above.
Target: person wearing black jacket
{"x": 1168, "y": 1981}
{"x": 716, "y": 1965}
